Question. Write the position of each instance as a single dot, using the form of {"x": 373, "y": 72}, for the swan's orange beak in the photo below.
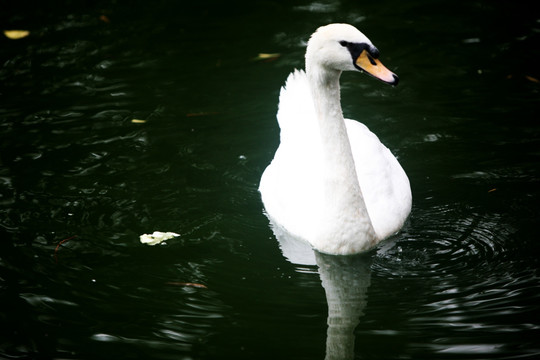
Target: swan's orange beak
{"x": 375, "y": 68}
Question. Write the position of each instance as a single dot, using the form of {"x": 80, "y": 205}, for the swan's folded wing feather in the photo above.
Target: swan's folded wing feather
{"x": 287, "y": 185}
{"x": 296, "y": 112}
{"x": 384, "y": 184}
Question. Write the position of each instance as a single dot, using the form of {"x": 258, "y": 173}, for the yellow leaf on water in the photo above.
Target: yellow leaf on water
{"x": 16, "y": 34}
{"x": 266, "y": 56}
{"x": 138, "y": 121}
{"x": 532, "y": 79}
{"x": 104, "y": 18}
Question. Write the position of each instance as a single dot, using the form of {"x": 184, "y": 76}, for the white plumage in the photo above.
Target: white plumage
{"x": 332, "y": 183}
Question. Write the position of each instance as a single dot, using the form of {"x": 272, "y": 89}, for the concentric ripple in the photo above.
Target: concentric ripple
{"x": 465, "y": 280}
{"x": 440, "y": 245}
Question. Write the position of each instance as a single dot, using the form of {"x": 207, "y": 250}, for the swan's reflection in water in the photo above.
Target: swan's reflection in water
{"x": 345, "y": 280}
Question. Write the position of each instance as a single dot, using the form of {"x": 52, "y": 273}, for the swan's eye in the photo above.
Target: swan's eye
{"x": 344, "y": 43}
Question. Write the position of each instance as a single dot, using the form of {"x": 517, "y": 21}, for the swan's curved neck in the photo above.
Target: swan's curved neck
{"x": 342, "y": 194}
{"x": 324, "y": 85}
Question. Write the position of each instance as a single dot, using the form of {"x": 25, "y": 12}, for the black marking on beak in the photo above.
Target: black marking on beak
{"x": 356, "y": 49}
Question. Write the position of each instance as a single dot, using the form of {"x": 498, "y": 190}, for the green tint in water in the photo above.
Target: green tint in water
{"x": 460, "y": 280}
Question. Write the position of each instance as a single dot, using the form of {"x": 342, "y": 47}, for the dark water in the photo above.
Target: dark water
{"x": 461, "y": 281}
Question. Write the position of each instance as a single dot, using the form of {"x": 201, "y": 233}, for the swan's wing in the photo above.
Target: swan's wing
{"x": 296, "y": 113}
{"x": 287, "y": 187}
{"x": 383, "y": 181}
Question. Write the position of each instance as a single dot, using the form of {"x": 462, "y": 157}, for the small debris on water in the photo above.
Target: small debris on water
{"x": 157, "y": 237}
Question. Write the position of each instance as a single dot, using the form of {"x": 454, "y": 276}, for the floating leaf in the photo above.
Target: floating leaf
{"x": 195, "y": 285}
{"x": 533, "y": 79}
{"x": 492, "y": 190}
{"x": 104, "y": 18}
{"x": 266, "y": 57}
{"x": 60, "y": 243}
{"x": 16, "y": 34}
{"x": 157, "y": 237}
{"x": 138, "y": 121}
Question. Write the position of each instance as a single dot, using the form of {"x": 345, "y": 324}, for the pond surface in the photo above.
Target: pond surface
{"x": 120, "y": 119}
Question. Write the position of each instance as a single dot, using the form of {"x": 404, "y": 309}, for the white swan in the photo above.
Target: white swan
{"x": 332, "y": 182}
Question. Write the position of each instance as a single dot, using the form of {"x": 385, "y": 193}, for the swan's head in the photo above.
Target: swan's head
{"x": 342, "y": 47}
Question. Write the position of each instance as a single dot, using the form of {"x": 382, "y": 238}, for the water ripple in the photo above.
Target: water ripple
{"x": 465, "y": 274}
{"x": 444, "y": 245}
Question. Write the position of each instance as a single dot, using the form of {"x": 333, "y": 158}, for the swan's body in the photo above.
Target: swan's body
{"x": 332, "y": 182}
